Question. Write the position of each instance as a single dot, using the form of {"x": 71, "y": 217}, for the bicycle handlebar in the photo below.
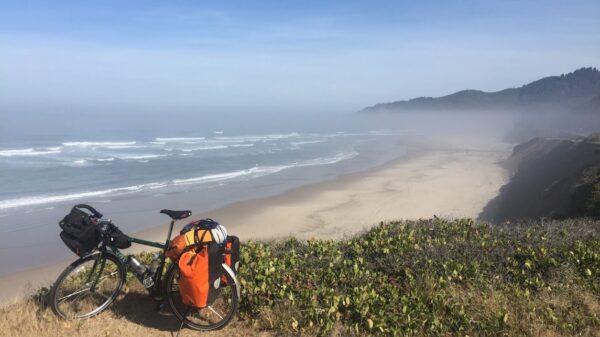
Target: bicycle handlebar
{"x": 91, "y": 209}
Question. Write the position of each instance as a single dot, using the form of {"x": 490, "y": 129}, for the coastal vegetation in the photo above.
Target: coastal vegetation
{"x": 435, "y": 277}
{"x": 431, "y": 277}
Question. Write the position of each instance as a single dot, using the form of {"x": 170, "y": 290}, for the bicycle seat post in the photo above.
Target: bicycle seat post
{"x": 170, "y": 231}
{"x": 175, "y": 215}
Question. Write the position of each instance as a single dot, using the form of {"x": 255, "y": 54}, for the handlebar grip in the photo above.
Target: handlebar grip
{"x": 89, "y": 208}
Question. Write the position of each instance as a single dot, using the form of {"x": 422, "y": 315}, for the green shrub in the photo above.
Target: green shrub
{"x": 586, "y": 197}
{"x": 430, "y": 277}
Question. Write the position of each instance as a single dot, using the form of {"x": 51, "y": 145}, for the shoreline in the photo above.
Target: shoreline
{"x": 442, "y": 181}
{"x": 445, "y": 183}
{"x": 31, "y": 233}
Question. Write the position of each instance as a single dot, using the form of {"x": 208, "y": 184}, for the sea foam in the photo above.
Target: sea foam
{"x": 29, "y": 152}
{"x": 250, "y": 173}
{"x": 179, "y": 139}
{"x": 44, "y": 199}
{"x": 259, "y": 171}
{"x": 98, "y": 144}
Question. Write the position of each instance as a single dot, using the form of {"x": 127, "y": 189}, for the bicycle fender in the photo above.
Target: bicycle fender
{"x": 235, "y": 280}
{"x": 98, "y": 252}
{"x": 95, "y": 252}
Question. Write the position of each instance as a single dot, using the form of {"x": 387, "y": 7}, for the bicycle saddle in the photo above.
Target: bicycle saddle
{"x": 176, "y": 215}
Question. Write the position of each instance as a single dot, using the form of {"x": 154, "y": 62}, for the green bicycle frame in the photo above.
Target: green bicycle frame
{"x": 149, "y": 243}
{"x": 123, "y": 258}
{"x": 162, "y": 246}
{"x": 157, "y": 278}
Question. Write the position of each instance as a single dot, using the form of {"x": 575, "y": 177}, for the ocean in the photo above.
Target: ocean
{"x": 51, "y": 174}
{"x": 131, "y": 177}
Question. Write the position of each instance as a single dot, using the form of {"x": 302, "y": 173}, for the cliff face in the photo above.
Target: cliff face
{"x": 551, "y": 178}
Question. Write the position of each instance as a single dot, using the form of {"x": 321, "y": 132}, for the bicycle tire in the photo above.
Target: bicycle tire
{"x": 228, "y": 293}
{"x": 92, "y": 286}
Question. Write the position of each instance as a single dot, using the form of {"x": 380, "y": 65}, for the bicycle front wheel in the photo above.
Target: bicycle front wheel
{"x": 88, "y": 286}
{"x": 212, "y": 317}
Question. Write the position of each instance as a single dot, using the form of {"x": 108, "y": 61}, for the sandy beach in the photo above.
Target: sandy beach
{"x": 451, "y": 182}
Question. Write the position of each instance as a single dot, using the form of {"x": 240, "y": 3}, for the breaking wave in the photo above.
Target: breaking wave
{"x": 29, "y": 152}
{"x": 250, "y": 173}
{"x": 99, "y": 144}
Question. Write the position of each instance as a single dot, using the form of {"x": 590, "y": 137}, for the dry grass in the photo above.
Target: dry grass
{"x": 520, "y": 310}
{"x": 435, "y": 277}
{"x": 133, "y": 315}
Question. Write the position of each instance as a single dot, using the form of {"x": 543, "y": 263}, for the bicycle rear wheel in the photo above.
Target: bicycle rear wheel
{"x": 212, "y": 317}
{"x": 88, "y": 286}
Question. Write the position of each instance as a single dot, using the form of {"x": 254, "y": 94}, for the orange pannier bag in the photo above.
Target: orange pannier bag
{"x": 180, "y": 243}
{"x": 200, "y": 275}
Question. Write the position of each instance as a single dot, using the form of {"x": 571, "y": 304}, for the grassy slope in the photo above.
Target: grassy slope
{"x": 431, "y": 277}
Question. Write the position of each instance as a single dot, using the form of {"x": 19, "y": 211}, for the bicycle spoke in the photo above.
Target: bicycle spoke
{"x": 88, "y": 288}
{"x": 216, "y": 313}
{"x": 102, "y": 279}
{"x": 213, "y": 316}
{"x": 77, "y": 298}
{"x": 98, "y": 283}
{"x": 73, "y": 294}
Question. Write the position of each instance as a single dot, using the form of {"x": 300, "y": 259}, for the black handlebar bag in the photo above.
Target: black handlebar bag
{"x": 79, "y": 231}
{"x": 118, "y": 239}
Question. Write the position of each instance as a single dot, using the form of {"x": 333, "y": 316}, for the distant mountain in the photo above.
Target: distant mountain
{"x": 551, "y": 178}
{"x": 564, "y": 91}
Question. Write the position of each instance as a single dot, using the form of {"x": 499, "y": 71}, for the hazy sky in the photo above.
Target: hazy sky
{"x": 280, "y": 55}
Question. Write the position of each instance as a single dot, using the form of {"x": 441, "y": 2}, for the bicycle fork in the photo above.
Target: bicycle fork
{"x": 93, "y": 272}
